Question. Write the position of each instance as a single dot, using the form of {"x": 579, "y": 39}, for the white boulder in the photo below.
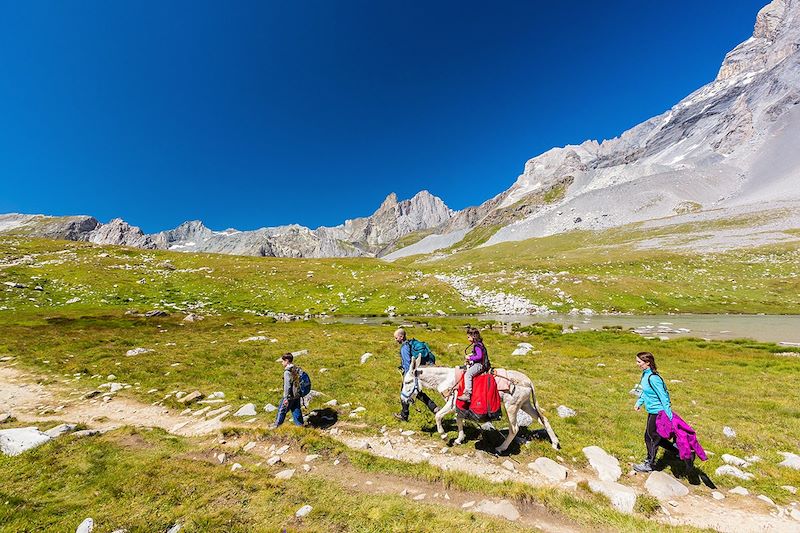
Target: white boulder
{"x": 549, "y": 469}
{"x": 17, "y": 440}
{"x": 503, "y": 509}
{"x": 730, "y": 470}
{"x": 303, "y": 511}
{"x": 728, "y": 432}
{"x": 247, "y": 409}
{"x": 664, "y": 487}
{"x": 606, "y": 466}
{"x": 59, "y": 430}
{"x": 364, "y": 357}
{"x": 86, "y": 526}
{"x": 565, "y": 412}
{"x": 790, "y": 460}
{"x": 622, "y": 498}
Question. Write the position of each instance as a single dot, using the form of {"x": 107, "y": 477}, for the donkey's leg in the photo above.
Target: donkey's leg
{"x": 513, "y": 428}
{"x": 543, "y": 419}
{"x": 446, "y": 409}
{"x": 461, "y": 435}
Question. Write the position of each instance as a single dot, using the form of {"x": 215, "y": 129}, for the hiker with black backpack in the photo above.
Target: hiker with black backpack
{"x": 292, "y": 393}
{"x": 411, "y": 349}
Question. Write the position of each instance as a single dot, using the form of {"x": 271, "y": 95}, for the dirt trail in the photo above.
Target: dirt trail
{"x": 23, "y": 396}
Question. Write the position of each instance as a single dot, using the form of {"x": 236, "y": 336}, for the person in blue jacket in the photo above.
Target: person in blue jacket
{"x": 405, "y": 364}
{"x": 655, "y": 398}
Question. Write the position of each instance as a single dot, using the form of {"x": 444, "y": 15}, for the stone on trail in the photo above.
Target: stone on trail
{"x": 137, "y": 351}
{"x": 247, "y": 409}
{"x": 235, "y": 467}
{"x": 664, "y": 487}
{"x": 86, "y": 526}
{"x": 249, "y": 446}
{"x": 795, "y": 514}
{"x": 766, "y": 499}
{"x": 790, "y": 460}
{"x": 728, "y": 432}
{"x": 272, "y": 461}
{"x": 741, "y": 491}
{"x": 730, "y": 470}
{"x": 269, "y": 408}
{"x": 420, "y": 497}
{"x": 360, "y": 409}
{"x": 331, "y": 403}
{"x": 17, "y": 440}
{"x": 606, "y": 466}
{"x": 285, "y": 474}
{"x": 549, "y": 469}
{"x": 622, "y": 498}
{"x": 60, "y": 430}
{"x": 789, "y": 488}
{"x": 503, "y": 509}
{"x": 565, "y": 412}
{"x": 467, "y": 505}
{"x": 407, "y": 433}
{"x": 4, "y": 417}
{"x": 365, "y": 357}
{"x": 311, "y": 457}
{"x": 508, "y": 465}
{"x": 303, "y": 511}
{"x": 282, "y": 450}
{"x": 191, "y": 397}
{"x": 717, "y": 495}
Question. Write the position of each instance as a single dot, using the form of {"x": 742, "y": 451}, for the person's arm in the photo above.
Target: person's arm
{"x": 477, "y": 355}
{"x": 287, "y": 384}
{"x": 405, "y": 356}
{"x": 640, "y": 401}
{"x": 660, "y": 388}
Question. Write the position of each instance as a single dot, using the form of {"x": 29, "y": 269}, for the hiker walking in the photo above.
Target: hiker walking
{"x": 410, "y": 349}
{"x": 291, "y": 392}
{"x": 655, "y": 398}
{"x": 477, "y": 362}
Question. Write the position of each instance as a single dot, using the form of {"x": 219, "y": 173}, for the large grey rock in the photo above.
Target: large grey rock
{"x": 17, "y": 440}
{"x": 503, "y": 509}
{"x": 622, "y": 498}
{"x": 664, "y": 487}
{"x": 549, "y": 469}
{"x": 247, "y": 409}
{"x": 606, "y": 466}
{"x": 790, "y": 460}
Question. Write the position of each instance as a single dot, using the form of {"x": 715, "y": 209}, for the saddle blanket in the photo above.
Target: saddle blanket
{"x": 485, "y": 404}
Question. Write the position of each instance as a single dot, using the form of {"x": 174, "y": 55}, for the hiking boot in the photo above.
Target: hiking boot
{"x": 464, "y": 397}
{"x": 644, "y": 466}
{"x": 400, "y": 417}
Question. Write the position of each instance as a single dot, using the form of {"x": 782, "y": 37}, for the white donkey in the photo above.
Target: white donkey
{"x": 519, "y": 395}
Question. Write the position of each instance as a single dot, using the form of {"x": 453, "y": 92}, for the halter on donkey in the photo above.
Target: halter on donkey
{"x": 520, "y": 395}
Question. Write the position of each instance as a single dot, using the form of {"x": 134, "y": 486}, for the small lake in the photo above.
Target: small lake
{"x": 784, "y": 329}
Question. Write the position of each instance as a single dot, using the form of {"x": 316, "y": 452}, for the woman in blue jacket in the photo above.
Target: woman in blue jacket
{"x": 655, "y": 398}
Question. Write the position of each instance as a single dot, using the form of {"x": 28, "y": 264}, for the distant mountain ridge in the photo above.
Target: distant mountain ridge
{"x": 732, "y": 144}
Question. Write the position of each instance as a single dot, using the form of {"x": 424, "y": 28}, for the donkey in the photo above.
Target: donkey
{"x": 520, "y": 395}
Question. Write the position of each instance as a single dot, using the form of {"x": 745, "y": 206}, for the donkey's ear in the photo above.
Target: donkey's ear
{"x": 418, "y": 373}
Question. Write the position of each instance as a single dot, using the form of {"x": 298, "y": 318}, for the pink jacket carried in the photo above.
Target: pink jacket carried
{"x": 685, "y": 436}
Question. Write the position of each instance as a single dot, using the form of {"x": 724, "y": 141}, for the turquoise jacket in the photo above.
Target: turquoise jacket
{"x": 655, "y": 398}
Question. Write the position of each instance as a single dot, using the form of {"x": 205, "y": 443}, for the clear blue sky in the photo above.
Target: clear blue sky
{"x": 250, "y": 114}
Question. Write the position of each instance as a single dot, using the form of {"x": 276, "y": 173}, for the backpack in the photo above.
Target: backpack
{"x": 305, "y": 382}
{"x": 422, "y": 350}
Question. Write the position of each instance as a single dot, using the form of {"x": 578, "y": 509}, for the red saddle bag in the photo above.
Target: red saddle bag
{"x": 485, "y": 404}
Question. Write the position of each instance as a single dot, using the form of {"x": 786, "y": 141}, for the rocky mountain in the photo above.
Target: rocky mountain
{"x": 728, "y": 148}
{"x": 366, "y": 236}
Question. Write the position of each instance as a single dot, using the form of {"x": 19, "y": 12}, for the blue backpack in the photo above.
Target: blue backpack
{"x": 305, "y": 382}
{"x": 422, "y": 350}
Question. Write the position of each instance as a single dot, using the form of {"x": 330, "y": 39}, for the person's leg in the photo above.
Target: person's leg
{"x": 297, "y": 412}
{"x": 281, "y": 416}
{"x": 430, "y": 404}
{"x": 651, "y": 439}
{"x": 471, "y": 372}
{"x": 403, "y": 414}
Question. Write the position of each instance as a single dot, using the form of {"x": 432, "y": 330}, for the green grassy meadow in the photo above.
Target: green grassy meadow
{"x": 747, "y": 385}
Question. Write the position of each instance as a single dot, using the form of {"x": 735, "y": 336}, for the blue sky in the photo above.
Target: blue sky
{"x": 251, "y": 114}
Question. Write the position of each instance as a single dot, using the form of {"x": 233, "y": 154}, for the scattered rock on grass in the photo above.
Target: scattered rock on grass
{"x": 735, "y": 461}
{"x": 285, "y": 474}
{"x": 60, "y": 430}
{"x": 730, "y": 470}
{"x": 549, "y": 469}
{"x": 664, "y": 487}
{"x": 365, "y": 357}
{"x": 272, "y": 461}
{"x": 565, "y": 412}
{"x": 790, "y": 460}
{"x": 728, "y": 432}
{"x": 503, "y": 509}
{"x": 622, "y": 498}
{"x": 17, "y": 440}
{"x": 137, "y": 351}
{"x": 192, "y": 317}
{"x": 191, "y": 397}
{"x": 606, "y": 466}
{"x": 303, "y": 511}
{"x": 87, "y": 526}
{"x": 269, "y": 408}
{"x": 247, "y": 409}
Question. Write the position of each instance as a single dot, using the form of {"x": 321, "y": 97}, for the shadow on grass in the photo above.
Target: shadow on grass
{"x": 685, "y": 469}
